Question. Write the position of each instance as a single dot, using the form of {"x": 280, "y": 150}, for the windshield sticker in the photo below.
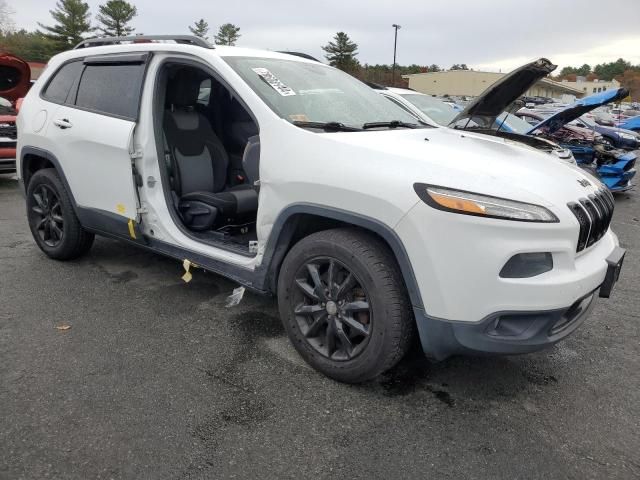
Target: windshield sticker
{"x": 298, "y": 117}
{"x": 274, "y": 81}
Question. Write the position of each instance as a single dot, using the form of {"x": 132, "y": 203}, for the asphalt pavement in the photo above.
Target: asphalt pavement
{"x": 155, "y": 378}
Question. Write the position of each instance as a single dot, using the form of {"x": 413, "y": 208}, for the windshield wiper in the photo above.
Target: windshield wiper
{"x": 391, "y": 124}
{"x": 327, "y": 126}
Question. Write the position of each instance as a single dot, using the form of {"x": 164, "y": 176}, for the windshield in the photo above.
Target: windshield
{"x": 433, "y": 108}
{"x": 585, "y": 120}
{"x": 509, "y": 122}
{"x": 313, "y": 92}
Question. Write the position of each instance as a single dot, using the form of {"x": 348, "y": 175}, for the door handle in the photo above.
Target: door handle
{"x": 62, "y": 123}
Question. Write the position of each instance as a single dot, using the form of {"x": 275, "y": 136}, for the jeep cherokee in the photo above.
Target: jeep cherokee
{"x": 293, "y": 178}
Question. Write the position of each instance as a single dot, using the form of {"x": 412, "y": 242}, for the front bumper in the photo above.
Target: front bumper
{"x": 7, "y": 165}
{"x": 513, "y": 332}
{"x": 457, "y": 260}
{"x": 468, "y": 307}
{"x": 502, "y": 333}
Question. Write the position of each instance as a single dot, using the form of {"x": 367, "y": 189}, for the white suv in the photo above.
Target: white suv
{"x": 294, "y": 179}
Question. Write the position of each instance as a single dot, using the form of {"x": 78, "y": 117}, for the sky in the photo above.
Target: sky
{"x": 494, "y": 35}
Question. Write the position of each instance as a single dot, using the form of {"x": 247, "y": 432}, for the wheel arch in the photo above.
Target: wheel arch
{"x": 300, "y": 220}
{"x": 33, "y": 159}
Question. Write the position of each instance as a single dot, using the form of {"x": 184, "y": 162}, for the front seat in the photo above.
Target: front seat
{"x": 198, "y": 162}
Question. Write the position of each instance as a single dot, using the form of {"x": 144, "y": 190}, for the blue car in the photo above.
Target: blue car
{"x": 614, "y": 167}
{"x": 632, "y": 124}
{"x": 616, "y": 137}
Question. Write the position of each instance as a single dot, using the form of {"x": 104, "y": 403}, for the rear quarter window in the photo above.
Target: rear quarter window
{"x": 111, "y": 89}
{"x": 60, "y": 84}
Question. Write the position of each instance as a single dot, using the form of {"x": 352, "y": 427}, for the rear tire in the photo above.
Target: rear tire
{"x": 52, "y": 219}
{"x": 344, "y": 305}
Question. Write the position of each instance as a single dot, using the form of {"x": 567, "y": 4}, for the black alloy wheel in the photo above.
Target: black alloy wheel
{"x": 52, "y": 218}
{"x": 47, "y": 215}
{"x": 344, "y": 305}
{"x": 332, "y": 309}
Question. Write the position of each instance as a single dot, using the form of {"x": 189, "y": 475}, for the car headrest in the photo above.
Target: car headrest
{"x": 184, "y": 88}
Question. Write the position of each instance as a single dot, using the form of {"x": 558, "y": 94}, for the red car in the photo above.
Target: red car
{"x": 15, "y": 80}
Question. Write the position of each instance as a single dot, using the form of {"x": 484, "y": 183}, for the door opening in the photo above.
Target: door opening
{"x": 211, "y": 154}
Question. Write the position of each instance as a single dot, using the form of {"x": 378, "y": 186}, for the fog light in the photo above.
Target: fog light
{"x": 526, "y": 265}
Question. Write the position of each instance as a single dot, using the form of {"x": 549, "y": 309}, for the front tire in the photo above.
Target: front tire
{"x": 344, "y": 304}
{"x": 52, "y": 219}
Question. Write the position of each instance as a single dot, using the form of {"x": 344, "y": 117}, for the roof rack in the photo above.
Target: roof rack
{"x": 183, "y": 39}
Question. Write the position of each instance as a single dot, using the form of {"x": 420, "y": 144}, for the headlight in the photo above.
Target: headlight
{"x": 627, "y": 136}
{"x": 468, "y": 203}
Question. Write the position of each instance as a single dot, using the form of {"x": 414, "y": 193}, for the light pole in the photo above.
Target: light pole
{"x": 395, "y": 45}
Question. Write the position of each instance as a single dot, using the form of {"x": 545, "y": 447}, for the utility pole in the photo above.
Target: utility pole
{"x": 395, "y": 46}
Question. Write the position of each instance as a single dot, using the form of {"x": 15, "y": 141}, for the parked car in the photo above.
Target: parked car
{"x": 424, "y": 107}
{"x": 632, "y": 124}
{"x": 613, "y": 136}
{"x": 8, "y": 136}
{"x": 576, "y": 134}
{"x": 536, "y": 100}
{"x": 602, "y": 117}
{"x": 580, "y": 140}
{"x": 296, "y": 179}
{"x": 15, "y": 76}
{"x": 615, "y": 167}
{"x": 436, "y": 112}
{"x": 489, "y": 114}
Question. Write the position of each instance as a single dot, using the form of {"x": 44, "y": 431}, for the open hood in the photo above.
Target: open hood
{"x": 15, "y": 77}
{"x": 484, "y": 109}
{"x": 579, "y": 108}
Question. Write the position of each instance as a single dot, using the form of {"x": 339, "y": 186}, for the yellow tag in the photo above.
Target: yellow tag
{"x": 132, "y": 231}
{"x": 120, "y": 208}
{"x": 187, "y": 274}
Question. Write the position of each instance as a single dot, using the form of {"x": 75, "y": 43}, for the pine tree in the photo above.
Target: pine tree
{"x": 73, "y": 21}
{"x": 200, "y": 29}
{"x": 114, "y": 18}
{"x": 228, "y": 34}
{"x": 341, "y": 52}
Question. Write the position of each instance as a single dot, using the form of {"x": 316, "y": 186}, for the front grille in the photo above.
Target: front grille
{"x": 594, "y": 215}
{"x": 8, "y": 130}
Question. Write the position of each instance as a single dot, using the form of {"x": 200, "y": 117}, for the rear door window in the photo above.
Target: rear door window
{"x": 60, "y": 84}
{"x": 112, "y": 89}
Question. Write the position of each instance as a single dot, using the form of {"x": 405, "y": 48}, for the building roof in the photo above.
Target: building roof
{"x": 562, "y": 86}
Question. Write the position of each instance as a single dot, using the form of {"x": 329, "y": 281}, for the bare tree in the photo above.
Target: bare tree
{"x": 6, "y": 17}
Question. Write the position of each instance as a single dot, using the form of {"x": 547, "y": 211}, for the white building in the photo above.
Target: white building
{"x": 473, "y": 83}
{"x": 591, "y": 87}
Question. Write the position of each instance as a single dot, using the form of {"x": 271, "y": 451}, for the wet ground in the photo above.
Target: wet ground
{"x": 155, "y": 378}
